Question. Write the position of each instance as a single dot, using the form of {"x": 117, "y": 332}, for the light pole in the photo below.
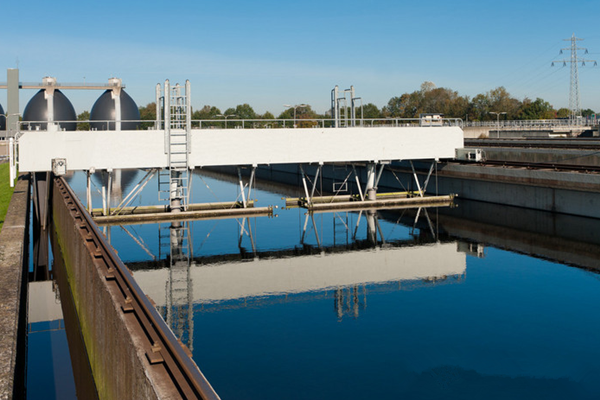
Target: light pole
{"x": 296, "y": 106}
{"x": 498, "y": 115}
{"x": 226, "y": 116}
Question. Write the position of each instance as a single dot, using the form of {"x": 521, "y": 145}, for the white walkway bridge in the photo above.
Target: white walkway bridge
{"x": 176, "y": 145}
{"x": 85, "y": 150}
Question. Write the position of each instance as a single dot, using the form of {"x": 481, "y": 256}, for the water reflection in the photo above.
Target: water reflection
{"x": 335, "y": 255}
{"x": 357, "y": 305}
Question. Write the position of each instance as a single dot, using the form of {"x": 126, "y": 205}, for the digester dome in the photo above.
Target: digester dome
{"x": 103, "y": 111}
{"x": 37, "y": 111}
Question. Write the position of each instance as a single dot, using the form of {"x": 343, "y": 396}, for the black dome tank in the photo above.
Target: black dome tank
{"x": 37, "y": 111}
{"x": 103, "y": 112}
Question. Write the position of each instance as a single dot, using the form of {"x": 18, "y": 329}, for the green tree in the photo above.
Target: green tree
{"x": 538, "y": 109}
{"x": 148, "y": 113}
{"x": 267, "y": 115}
{"x": 587, "y": 112}
{"x": 369, "y": 110}
{"x": 396, "y": 106}
{"x": 244, "y": 111}
{"x": 501, "y": 101}
{"x": 563, "y": 113}
{"x": 206, "y": 112}
{"x": 83, "y": 126}
{"x": 306, "y": 112}
{"x": 480, "y": 107}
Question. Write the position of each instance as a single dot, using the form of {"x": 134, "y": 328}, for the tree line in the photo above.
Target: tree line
{"x": 428, "y": 99}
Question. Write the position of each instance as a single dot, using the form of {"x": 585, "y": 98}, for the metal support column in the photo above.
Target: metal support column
{"x": 310, "y": 195}
{"x": 159, "y": 98}
{"x": 371, "y": 189}
{"x": 88, "y": 191}
{"x": 242, "y": 188}
{"x": 352, "y": 107}
{"x": 334, "y": 107}
{"x": 416, "y": 179}
{"x": 251, "y": 183}
{"x": 108, "y": 191}
{"x": 362, "y": 197}
{"x": 12, "y": 162}
{"x": 104, "y": 211}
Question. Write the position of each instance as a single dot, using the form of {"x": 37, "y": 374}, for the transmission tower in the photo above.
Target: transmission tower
{"x": 574, "y": 91}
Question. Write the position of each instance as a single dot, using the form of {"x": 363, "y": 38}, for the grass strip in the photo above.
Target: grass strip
{"x": 5, "y": 191}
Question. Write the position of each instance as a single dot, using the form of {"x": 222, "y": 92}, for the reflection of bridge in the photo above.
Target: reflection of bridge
{"x": 180, "y": 280}
{"x": 270, "y": 277}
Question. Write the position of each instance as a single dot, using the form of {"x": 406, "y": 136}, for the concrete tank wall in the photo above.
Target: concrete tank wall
{"x": 118, "y": 365}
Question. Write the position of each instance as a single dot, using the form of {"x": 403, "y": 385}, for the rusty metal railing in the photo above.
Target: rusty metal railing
{"x": 162, "y": 349}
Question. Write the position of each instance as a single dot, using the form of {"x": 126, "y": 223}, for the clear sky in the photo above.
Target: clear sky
{"x": 268, "y": 53}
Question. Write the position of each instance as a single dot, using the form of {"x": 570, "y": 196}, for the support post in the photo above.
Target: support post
{"x": 371, "y": 189}
{"x": 242, "y": 187}
{"x": 158, "y": 116}
{"x": 362, "y": 197}
{"x": 312, "y": 192}
{"x": 308, "y": 199}
{"x": 108, "y": 190}
{"x": 251, "y": 183}
{"x": 117, "y": 182}
{"x": 104, "y": 212}
{"x": 352, "y": 107}
{"x": 11, "y": 162}
{"x": 175, "y": 195}
{"x": 167, "y": 117}
{"x": 428, "y": 176}
{"x": 88, "y": 191}
{"x": 416, "y": 179}
{"x": 188, "y": 114}
{"x": 334, "y": 106}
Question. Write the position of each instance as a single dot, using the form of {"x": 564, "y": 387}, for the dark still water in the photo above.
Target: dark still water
{"x": 464, "y": 303}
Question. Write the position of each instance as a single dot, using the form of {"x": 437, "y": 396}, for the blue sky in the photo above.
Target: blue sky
{"x": 268, "y": 53}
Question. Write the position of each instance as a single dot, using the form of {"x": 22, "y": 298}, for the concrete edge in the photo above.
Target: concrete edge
{"x": 13, "y": 291}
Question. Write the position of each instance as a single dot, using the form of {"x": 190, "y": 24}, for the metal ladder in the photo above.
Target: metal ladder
{"x": 174, "y": 181}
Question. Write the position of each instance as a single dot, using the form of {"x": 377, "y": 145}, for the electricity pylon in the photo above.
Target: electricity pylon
{"x": 574, "y": 91}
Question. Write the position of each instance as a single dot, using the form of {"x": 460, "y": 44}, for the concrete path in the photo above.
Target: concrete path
{"x": 13, "y": 291}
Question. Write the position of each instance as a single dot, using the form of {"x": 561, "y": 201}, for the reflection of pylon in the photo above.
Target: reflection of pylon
{"x": 574, "y": 90}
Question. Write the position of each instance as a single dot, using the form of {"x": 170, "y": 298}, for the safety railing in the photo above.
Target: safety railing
{"x": 534, "y": 123}
{"x": 100, "y": 125}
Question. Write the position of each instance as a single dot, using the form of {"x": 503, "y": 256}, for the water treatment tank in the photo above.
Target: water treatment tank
{"x": 37, "y": 110}
{"x": 103, "y": 111}
{"x": 2, "y": 119}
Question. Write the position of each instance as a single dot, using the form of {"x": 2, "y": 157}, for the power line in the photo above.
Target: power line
{"x": 574, "y": 89}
